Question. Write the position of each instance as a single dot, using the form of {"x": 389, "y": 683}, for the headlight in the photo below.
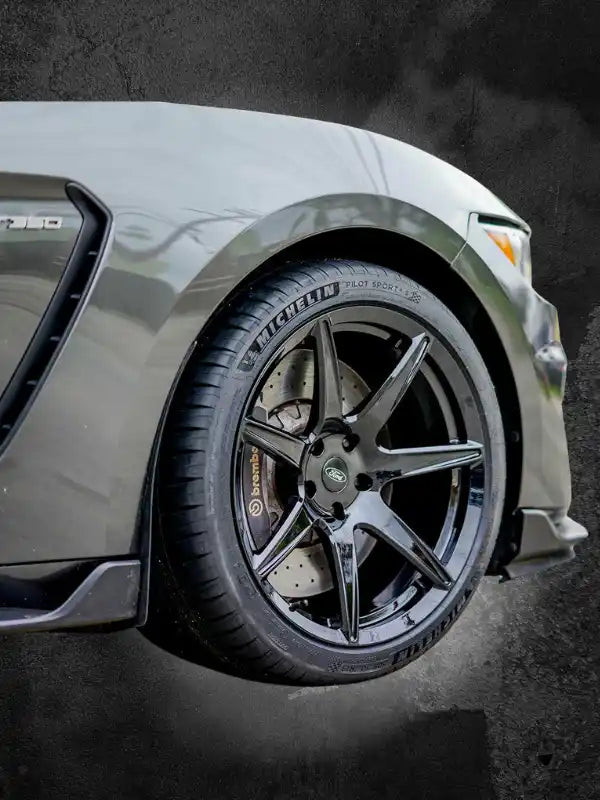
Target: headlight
{"x": 514, "y": 243}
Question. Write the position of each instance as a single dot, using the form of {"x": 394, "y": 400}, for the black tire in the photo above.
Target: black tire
{"x": 226, "y": 619}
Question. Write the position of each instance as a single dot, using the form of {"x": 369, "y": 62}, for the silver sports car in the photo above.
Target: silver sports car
{"x": 278, "y": 392}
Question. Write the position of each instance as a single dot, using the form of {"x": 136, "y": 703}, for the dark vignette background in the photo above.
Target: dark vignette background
{"x": 506, "y": 706}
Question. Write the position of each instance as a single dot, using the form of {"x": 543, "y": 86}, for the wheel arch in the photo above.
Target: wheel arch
{"x": 419, "y": 261}
{"x": 415, "y": 259}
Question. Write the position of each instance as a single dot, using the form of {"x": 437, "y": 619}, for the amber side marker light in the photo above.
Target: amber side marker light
{"x": 514, "y": 243}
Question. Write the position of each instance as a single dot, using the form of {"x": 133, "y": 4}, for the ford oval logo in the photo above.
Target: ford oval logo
{"x": 335, "y": 474}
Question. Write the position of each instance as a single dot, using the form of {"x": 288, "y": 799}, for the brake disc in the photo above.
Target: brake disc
{"x": 286, "y": 401}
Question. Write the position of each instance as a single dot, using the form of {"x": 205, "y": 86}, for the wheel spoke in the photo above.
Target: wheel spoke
{"x": 285, "y": 539}
{"x": 388, "y": 465}
{"x": 278, "y": 444}
{"x": 378, "y": 519}
{"x": 343, "y": 552}
{"x": 381, "y": 406}
{"x": 328, "y": 392}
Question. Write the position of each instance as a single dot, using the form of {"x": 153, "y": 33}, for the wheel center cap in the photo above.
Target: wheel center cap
{"x": 335, "y": 475}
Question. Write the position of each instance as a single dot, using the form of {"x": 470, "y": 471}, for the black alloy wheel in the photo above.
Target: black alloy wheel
{"x": 332, "y": 476}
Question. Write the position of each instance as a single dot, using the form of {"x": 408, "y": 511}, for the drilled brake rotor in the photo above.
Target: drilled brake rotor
{"x": 286, "y": 400}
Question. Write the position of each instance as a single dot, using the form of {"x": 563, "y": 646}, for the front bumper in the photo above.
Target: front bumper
{"x": 546, "y": 540}
{"x": 528, "y": 328}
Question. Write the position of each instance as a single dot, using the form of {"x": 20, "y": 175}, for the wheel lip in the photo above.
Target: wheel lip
{"x": 474, "y": 513}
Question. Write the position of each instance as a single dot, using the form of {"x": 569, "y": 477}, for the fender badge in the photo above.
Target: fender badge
{"x": 31, "y": 223}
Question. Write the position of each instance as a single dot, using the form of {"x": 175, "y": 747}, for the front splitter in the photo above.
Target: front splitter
{"x": 547, "y": 539}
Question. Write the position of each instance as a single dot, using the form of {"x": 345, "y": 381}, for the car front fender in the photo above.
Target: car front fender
{"x": 199, "y": 199}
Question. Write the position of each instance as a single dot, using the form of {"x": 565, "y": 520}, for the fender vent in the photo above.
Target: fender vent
{"x": 61, "y": 314}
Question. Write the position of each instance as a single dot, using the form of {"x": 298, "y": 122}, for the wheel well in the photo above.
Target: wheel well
{"x": 417, "y": 261}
